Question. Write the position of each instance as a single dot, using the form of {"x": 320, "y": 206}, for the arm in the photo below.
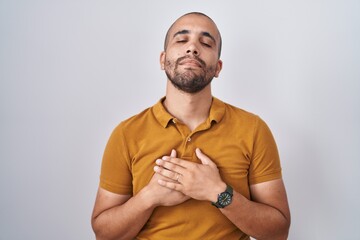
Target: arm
{"x": 119, "y": 216}
{"x": 123, "y": 216}
{"x": 266, "y": 216}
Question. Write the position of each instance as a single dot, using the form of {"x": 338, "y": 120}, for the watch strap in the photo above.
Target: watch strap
{"x": 229, "y": 190}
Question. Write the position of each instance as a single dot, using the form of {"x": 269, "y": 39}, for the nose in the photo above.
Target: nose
{"x": 192, "y": 49}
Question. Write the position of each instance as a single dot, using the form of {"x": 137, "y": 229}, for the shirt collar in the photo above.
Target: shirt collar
{"x": 161, "y": 114}
{"x": 217, "y": 111}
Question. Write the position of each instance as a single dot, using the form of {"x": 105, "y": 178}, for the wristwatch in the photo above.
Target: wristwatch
{"x": 224, "y": 198}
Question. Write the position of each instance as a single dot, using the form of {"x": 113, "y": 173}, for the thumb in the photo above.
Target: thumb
{"x": 203, "y": 158}
{"x": 173, "y": 153}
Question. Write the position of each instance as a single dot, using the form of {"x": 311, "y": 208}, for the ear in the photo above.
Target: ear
{"x": 162, "y": 60}
{"x": 218, "y": 68}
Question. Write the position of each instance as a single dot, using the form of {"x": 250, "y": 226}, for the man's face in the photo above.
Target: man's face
{"x": 191, "y": 58}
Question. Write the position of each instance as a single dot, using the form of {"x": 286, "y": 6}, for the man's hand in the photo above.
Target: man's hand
{"x": 162, "y": 196}
{"x": 198, "y": 181}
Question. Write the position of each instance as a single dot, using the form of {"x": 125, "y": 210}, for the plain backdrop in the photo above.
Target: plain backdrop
{"x": 70, "y": 71}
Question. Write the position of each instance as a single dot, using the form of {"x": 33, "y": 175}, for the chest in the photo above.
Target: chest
{"x": 231, "y": 152}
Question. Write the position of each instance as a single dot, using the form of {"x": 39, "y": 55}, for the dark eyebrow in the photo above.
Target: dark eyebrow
{"x": 205, "y": 34}
{"x": 181, "y": 32}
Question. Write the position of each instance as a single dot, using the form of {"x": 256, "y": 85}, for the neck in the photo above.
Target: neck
{"x": 190, "y": 109}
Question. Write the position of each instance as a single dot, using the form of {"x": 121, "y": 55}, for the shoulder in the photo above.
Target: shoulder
{"x": 135, "y": 122}
{"x": 242, "y": 120}
{"x": 235, "y": 113}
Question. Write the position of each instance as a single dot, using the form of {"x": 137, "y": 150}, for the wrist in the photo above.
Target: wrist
{"x": 217, "y": 189}
{"x": 147, "y": 198}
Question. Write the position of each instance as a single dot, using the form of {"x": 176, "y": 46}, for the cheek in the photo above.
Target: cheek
{"x": 170, "y": 60}
{"x": 169, "y": 63}
{"x": 173, "y": 54}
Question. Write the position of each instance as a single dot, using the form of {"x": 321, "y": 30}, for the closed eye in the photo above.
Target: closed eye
{"x": 206, "y": 45}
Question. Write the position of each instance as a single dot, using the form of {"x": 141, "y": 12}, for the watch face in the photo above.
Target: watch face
{"x": 225, "y": 199}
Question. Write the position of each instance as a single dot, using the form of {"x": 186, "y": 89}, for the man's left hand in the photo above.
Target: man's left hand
{"x": 198, "y": 181}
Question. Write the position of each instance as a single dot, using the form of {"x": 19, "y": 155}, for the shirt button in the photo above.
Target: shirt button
{"x": 189, "y": 139}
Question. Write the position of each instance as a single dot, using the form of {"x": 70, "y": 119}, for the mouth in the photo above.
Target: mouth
{"x": 191, "y": 62}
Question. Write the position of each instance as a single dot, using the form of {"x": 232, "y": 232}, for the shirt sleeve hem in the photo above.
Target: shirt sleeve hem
{"x": 115, "y": 189}
{"x": 266, "y": 177}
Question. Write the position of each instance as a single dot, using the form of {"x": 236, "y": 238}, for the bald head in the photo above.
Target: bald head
{"x": 168, "y": 33}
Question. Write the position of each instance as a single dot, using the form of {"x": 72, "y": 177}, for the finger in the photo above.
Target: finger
{"x": 170, "y": 166}
{"x": 171, "y": 185}
{"x": 178, "y": 161}
{"x": 158, "y": 176}
{"x": 166, "y": 173}
{"x": 203, "y": 158}
{"x": 173, "y": 153}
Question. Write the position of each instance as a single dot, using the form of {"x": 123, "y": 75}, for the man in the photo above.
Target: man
{"x": 191, "y": 166}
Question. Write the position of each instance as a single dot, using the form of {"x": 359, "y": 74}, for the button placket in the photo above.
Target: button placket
{"x": 188, "y": 147}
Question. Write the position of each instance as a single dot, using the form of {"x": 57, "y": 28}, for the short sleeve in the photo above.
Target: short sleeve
{"x": 115, "y": 169}
{"x": 265, "y": 161}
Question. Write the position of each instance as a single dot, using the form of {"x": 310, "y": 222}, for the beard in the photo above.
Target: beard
{"x": 188, "y": 80}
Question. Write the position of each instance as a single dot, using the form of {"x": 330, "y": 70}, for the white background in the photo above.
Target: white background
{"x": 70, "y": 71}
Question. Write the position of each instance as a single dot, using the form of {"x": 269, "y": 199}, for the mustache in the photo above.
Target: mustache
{"x": 202, "y": 62}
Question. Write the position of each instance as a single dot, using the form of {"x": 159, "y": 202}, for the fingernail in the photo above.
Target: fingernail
{"x": 165, "y": 158}
{"x": 156, "y": 168}
{"x": 158, "y": 161}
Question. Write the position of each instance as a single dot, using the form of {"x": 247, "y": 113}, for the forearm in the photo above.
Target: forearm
{"x": 257, "y": 220}
{"x": 124, "y": 221}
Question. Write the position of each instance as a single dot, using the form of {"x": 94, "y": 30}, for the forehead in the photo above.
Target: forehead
{"x": 195, "y": 24}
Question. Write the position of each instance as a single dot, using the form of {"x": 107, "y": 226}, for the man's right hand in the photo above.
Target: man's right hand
{"x": 162, "y": 196}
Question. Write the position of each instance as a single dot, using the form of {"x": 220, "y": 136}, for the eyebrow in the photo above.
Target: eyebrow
{"x": 205, "y": 34}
